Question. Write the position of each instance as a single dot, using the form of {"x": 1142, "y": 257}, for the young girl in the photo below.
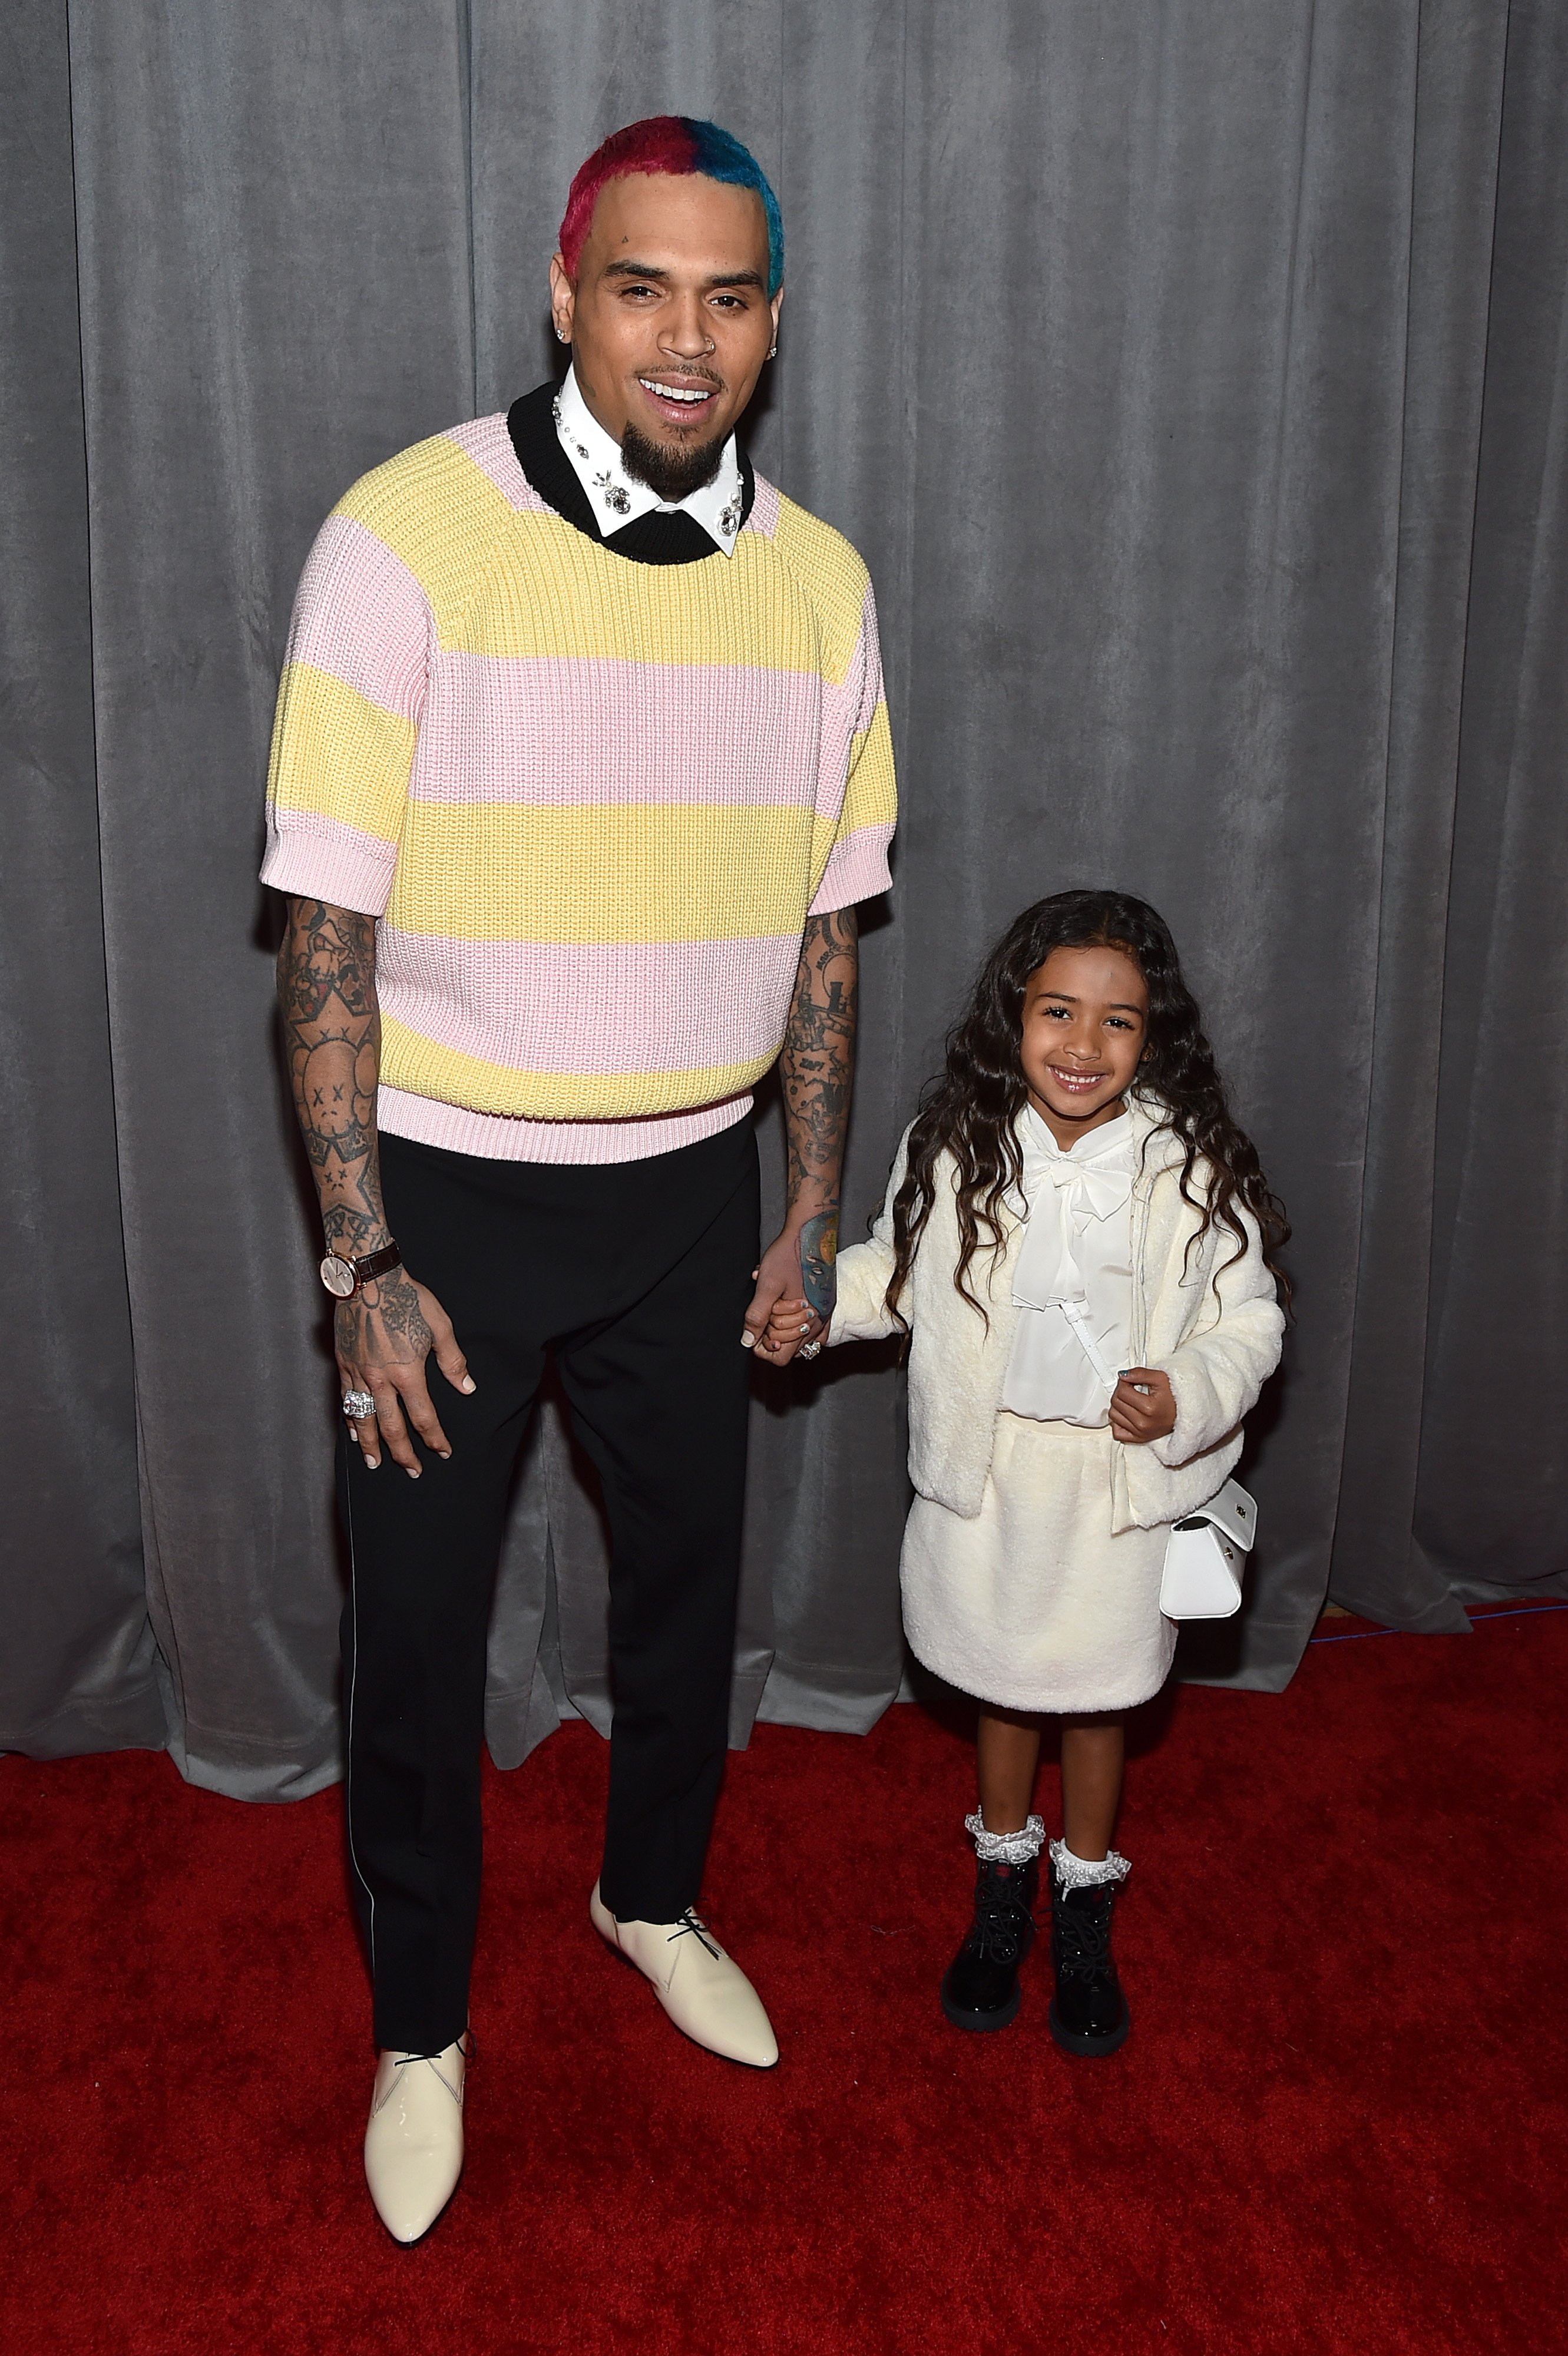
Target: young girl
{"x": 1073, "y": 1191}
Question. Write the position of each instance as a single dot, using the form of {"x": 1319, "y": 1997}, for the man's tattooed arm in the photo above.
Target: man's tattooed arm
{"x": 817, "y": 1068}
{"x": 327, "y": 988}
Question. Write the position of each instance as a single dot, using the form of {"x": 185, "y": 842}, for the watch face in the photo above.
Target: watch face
{"x": 338, "y": 1275}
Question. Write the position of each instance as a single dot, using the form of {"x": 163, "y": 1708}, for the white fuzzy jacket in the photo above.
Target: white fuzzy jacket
{"x": 1218, "y": 1343}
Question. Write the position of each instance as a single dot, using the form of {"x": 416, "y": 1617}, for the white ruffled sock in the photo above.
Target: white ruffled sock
{"x": 1007, "y": 1848}
{"x": 1075, "y": 1872}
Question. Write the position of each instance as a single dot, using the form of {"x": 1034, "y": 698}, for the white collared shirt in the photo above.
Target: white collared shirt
{"x": 1077, "y": 1251}
{"x": 618, "y": 499}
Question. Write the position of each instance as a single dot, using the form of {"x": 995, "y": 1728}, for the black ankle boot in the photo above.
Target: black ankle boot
{"x": 980, "y": 1988}
{"x": 1089, "y": 2012}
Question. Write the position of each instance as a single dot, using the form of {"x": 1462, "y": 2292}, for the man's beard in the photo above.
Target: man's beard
{"x": 674, "y": 472}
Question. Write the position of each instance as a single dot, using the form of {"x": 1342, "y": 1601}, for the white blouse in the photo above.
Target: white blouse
{"x": 1077, "y": 1255}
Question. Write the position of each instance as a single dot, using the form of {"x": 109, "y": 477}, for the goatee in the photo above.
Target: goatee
{"x": 672, "y": 472}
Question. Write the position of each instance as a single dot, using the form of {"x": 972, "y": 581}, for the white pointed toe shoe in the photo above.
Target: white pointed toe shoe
{"x": 414, "y": 2143}
{"x": 704, "y": 1993}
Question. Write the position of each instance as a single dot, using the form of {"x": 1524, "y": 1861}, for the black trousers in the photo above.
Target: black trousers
{"x": 636, "y": 1276}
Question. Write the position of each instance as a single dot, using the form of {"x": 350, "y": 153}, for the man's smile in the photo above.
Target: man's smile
{"x": 677, "y": 401}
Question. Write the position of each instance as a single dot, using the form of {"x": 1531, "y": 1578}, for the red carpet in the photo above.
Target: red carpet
{"x": 1339, "y": 2123}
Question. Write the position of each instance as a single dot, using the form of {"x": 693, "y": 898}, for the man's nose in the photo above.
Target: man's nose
{"x": 686, "y": 333}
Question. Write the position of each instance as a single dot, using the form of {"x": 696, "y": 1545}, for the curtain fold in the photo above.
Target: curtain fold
{"x": 1191, "y": 379}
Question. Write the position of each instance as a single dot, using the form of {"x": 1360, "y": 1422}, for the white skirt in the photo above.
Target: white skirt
{"x": 1033, "y": 1604}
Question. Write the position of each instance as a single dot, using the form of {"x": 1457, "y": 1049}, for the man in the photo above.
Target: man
{"x": 581, "y": 765}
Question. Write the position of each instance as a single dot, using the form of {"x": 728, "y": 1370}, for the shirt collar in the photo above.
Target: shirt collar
{"x": 618, "y": 499}
{"x": 1111, "y": 1137}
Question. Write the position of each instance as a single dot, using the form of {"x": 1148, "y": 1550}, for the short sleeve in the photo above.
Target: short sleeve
{"x": 857, "y": 867}
{"x": 348, "y": 712}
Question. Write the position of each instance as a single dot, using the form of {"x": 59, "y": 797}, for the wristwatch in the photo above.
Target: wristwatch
{"x": 344, "y": 1276}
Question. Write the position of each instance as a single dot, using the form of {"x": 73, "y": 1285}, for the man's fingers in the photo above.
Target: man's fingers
{"x": 453, "y": 1364}
{"x": 444, "y": 1341}
{"x": 420, "y": 1409}
{"x": 394, "y": 1431}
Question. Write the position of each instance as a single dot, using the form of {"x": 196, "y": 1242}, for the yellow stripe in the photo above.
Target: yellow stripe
{"x": 502, "y": 582}
{"x": 871, "y": 794}
{"x": 549, "y": 592}
{"x": 834, "y": 573}
{"x": 437, "y": 511}
{"x": 605, "y": 874}
{"x": 338, "y": 756}
{"x": 422, "y": 1068}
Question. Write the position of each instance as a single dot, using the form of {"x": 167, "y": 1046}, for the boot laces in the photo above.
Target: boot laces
{"x": 1000, "y": 1914}
{"x": 1083, "y": 1937}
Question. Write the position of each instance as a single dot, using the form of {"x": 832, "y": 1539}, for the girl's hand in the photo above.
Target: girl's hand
{"x": 789, "y": 1323}
{"x": 1143, "y": 1407}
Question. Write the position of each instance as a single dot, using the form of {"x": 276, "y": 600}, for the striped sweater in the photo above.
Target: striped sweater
{"x": 591, "y": 801}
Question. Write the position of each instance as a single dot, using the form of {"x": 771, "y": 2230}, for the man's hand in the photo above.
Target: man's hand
{"x": 795, "y": 1277}
{"x": 794, "y": 1297}
{"x": 383, "y": 1336}
{"x": 1143, "y": 1407}
{"x": 385, "y": 1332}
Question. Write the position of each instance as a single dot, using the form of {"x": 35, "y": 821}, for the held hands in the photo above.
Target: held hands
{"x": 1143, "y": 1407}
{"x": 383, "y": 1336}
{"x": 793, "y": 1302}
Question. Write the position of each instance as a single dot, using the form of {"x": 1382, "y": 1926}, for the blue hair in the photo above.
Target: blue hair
{"x": 720, "y": 157}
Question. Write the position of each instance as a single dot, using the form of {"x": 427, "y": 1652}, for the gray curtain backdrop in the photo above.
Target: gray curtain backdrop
{"x": 1192, "y": 378}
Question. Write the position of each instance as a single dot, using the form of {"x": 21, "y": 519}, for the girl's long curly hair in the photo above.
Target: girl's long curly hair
{"x": 971, "y": 1109}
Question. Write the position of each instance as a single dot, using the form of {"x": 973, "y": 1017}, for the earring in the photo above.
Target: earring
{"x": 773, "y": 349}
{"x": 562, "y": 336}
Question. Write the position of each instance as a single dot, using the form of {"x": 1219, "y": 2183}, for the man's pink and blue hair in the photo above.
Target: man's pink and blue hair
{"x": 676, "y": 143}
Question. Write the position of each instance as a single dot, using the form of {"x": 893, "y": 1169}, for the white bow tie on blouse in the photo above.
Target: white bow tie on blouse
{"x": 1087, "y": 1191}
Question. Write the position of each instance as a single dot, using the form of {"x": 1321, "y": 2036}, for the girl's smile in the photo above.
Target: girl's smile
{"x": 1084, "y": 1016}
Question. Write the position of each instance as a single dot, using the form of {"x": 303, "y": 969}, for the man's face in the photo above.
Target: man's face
{"x": 669, "y": 321}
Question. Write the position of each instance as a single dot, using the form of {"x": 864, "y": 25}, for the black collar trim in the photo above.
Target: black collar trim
{"x": 676, "y": 538}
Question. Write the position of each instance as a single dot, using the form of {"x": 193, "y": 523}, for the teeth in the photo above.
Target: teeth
{"x": 673, "y": 392}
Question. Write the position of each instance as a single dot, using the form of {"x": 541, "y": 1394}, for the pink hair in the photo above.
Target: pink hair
{"x": 676, "y": 143}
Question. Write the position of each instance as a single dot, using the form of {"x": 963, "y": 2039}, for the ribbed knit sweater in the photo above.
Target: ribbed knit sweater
{"x": 592, "y": 799}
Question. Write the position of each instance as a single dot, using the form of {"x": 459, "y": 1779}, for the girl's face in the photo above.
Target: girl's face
{"x": 1085, "y": 1015}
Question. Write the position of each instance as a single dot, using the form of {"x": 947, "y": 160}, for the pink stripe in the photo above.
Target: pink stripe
{"x": 549, "y": 1007}
{"x": 856, "y": 870}
{"x": 325, "y": 860}
{"x": 561, "y": 729}
{"x": 498, "y": 1137}
{"x": 764, "y": 516}
{"x": 361, "y": 615}
{"x": 487, "y": 443}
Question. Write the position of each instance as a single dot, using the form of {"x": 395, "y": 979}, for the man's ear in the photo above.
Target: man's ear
{"x": 562, "y": 298}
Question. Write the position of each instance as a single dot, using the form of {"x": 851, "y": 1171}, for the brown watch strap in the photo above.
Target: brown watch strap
{"x": 376, "y": 1263}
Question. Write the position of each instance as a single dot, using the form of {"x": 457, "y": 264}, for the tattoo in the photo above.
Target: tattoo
{"x": 326, "y": 987}
{"x": 818, "y": 1250}
{"x": 817, "y": 1068}
{"x": 383, "y": 1324}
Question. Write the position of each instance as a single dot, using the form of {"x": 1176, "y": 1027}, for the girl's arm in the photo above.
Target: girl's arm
{"x": 862, "y": 1313}
{"x": 1216, "y": 1376}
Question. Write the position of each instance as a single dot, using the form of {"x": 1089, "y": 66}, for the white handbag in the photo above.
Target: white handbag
{"x": 1206, "y": 1554}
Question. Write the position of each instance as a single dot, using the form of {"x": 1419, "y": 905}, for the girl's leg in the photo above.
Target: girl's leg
{"x": 1089, "y": 2014}
{"x": 980, "y": 1988}
{"x": 1092, "y": 1752}
{"x": 1007, "y": 1753}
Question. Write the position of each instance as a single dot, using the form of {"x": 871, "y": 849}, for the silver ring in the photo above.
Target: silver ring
{"x": 809, "y": 1349}
{"x": 359, "y": 1405}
